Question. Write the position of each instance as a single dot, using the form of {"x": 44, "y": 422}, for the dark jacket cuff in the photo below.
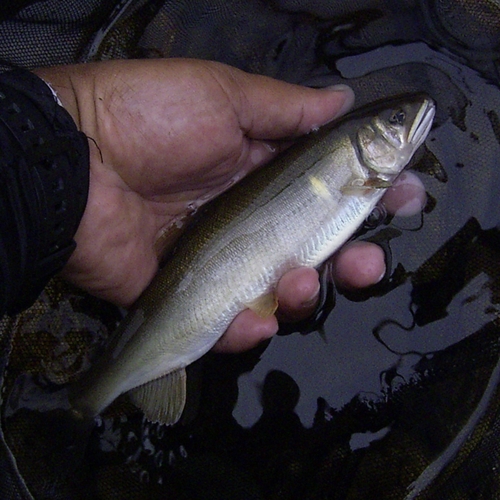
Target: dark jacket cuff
{"x": 44, "y": 182}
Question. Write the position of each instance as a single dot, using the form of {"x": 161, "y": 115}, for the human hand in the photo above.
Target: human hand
{"x": 167, "y": 136}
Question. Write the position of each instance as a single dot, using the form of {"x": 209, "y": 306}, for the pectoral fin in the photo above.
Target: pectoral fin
{"x": 163, "y": 399}
{"x": 265, "y": 305}
{"x": 377, "y": 183}
{"x": 360, "y": 186}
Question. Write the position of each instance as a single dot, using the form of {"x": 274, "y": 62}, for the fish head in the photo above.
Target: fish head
{"x": 388, "y": 141}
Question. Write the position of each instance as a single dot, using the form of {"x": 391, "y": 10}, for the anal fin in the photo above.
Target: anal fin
{"x": 163, "y": 399}
{"x": 265, "y": 305}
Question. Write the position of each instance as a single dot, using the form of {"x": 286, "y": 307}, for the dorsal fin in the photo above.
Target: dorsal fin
{"x": 163, "y": 399}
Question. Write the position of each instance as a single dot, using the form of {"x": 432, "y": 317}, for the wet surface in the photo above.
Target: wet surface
{"x": 351, "y": 348}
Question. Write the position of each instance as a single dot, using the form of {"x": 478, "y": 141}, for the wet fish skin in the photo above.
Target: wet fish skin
{"x": 296, "y": 211}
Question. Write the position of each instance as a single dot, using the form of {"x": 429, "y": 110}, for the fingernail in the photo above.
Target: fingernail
{"x": 346, "y": 105}
{"x": 380, "y": 277}
{"x": 312, "y": 300}
{"x": 349, "y": 98}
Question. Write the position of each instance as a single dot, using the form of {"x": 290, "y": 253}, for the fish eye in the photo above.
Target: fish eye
{"x": 398, "y": 117}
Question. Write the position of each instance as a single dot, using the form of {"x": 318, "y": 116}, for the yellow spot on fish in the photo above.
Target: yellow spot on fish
{"x": 319, "y": 188}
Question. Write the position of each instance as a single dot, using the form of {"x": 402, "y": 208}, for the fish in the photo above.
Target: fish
{"x": 296, "y": 211}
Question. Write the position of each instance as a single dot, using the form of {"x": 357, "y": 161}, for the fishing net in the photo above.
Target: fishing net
{"x": 399, "y": 399}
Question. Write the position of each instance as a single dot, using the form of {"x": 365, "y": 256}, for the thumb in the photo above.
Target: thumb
{"x": 271, "y": 109}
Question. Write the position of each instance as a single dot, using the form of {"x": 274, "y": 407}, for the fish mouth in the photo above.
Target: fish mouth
{"x": 422, "y": 123}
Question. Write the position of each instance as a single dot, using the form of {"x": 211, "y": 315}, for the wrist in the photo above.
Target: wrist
{"x": 57, "y": 79}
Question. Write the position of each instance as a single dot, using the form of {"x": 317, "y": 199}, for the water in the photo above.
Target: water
{"x": 350, "y": 359}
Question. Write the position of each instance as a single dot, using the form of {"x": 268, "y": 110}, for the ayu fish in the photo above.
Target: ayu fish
{"x": 297, "y": 211}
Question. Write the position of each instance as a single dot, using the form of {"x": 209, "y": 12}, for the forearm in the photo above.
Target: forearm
{"x": 44, "y": 170}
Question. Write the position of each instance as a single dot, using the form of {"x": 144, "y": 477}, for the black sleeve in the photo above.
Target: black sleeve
{"x": 44, "y": 179}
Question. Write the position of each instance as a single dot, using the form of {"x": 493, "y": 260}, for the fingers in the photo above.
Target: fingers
{"x": 270, "y": 109}
{"x": 357, "y": 265}
{"x": 406, "y": 197}
{"x": 246, "y": 331}
{"x": 361, "y": 264}
{"x": 297, "y": 293}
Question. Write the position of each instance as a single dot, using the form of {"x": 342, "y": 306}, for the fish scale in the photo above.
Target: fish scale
{"x": 295, "y": 212}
